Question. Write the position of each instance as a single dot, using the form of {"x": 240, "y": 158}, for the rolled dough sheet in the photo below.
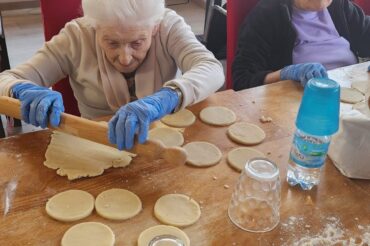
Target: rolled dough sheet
{"x": 168, "y": 136}
{"x": 117, "y": 204}
{"x": 88, "y": 233}
{"x": 238, "y": 157}
{"x": 363, "y": 107}
{"x": 361, "y": 86}
{"x": 177, "y": 210}
{"x": 75, "y": 157}
{"x": 246, "y": 133}
{"x": 202, "y": 154}
{"x": 159, "y": 230}
{"x": 70, "y": 205}
{"x": 350, "y": 95}
{"x": 183, "y": 118}
{"x": 218, "y": 116}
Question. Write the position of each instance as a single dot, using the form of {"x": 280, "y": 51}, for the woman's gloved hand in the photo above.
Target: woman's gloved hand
{"x": 303, "y": 72}
{"x": 135, "y": 117}
{"x": 40, "y": 105}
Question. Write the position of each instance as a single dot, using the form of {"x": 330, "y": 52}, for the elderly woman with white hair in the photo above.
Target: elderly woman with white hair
{"x": 122, "y": 57}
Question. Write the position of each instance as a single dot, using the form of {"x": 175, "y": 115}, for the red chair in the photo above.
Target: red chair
{"x": 237, "y": 10}
{"x": 56, "y": 14}
{"x": 364, "y": 4}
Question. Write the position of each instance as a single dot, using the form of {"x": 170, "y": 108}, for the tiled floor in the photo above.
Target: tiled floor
{"x": 24, "y": 35}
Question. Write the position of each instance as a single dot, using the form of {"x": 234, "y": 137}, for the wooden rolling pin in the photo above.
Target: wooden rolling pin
{"x": 98, "y": 132}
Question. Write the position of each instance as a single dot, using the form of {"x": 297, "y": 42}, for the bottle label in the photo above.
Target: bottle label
{"x": 308, "y": 151}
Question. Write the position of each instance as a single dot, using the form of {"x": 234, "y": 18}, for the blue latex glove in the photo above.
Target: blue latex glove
{"x": 303, "y": 72}
{"x": 39, "y": 104}
{"x": 135, "y": 117}
{"x": 368, "y": 69}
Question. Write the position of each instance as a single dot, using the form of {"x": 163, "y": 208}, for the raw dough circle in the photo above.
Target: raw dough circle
{"x": 238, "y": 157}
{"x": 350, "y": 95}
{"x": 177, "y": 210}
{"x": 88, "y": 233}
{"x": 117, "y": 204}
{"x": 183, "y": 118}
{"x": 246, "y": 133}
{"x": 202, "y": 154}
{"x": 70, "y": 205}
{"x": 218, "y": 116}
{"x": 169, "y": 137}
{"x": 150, "y": 233}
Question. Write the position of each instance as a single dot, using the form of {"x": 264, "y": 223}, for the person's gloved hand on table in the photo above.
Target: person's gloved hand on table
{"x": 303, "y": 72}
{"x": 135, "y": 117}
{"x": 368, "y": 69}
{"x": 39, "y": 105}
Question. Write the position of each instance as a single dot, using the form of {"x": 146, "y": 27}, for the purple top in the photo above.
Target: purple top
{"x": 318, "y": 40}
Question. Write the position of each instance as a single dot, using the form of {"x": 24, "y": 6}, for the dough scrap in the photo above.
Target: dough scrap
{"x": 361, "y": 86}
{"x": 218, "y": 116}
{"x": 168, "y": 136}
{"x": 152, "y": 232}
{"x": 202, "y": 154}
{"x": 177, "y": 210}
{"x": 117, "y": 204}
{"x": 182, "y": 118}
{"x": 88, "y": 233}
{"x": 238, "y": 157}
{"x": 75, "y": 157}
{"x": 350, "y": 95}
{"x": 246, "y": 133}
{"x": 70, "y": 205}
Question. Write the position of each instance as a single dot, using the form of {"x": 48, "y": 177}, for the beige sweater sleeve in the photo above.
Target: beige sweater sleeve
{"x": 50, "y": 64}
{"x": 202, "y": 73}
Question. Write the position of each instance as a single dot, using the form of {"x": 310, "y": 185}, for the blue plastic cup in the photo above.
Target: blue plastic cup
{"x": 319, "y": 110}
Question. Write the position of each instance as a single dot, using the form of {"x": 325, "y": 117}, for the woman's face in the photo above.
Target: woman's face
{"x": 125, "y": 47}
{"x": 312, "y": 5}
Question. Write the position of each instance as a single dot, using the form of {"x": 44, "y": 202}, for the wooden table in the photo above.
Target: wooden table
{"x": 303, "y": 213}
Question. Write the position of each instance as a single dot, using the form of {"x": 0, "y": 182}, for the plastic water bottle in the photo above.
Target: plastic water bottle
{"x": 317, "y": 121}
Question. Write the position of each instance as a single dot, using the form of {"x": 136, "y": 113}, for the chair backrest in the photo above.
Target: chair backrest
{"x": 55, "y": 14}
{"x": 237, "y": 11}
{"x": 364, "y": 4}
{"x": 214, "y": 36}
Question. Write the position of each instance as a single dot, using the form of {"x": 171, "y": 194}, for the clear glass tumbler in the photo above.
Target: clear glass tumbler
{"x": 255, "y": 202}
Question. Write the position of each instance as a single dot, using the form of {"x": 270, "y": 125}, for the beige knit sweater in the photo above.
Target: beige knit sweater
{"x": 74, "y": 52}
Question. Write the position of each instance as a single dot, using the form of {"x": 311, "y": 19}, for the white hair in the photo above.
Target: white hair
{"x": 126, "y": 12}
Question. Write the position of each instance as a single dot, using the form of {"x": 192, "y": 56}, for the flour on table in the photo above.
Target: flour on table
{"x": 75, "y": 157}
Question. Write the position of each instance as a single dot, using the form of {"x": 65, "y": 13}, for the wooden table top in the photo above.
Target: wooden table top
{"x": 27, "y": 184}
